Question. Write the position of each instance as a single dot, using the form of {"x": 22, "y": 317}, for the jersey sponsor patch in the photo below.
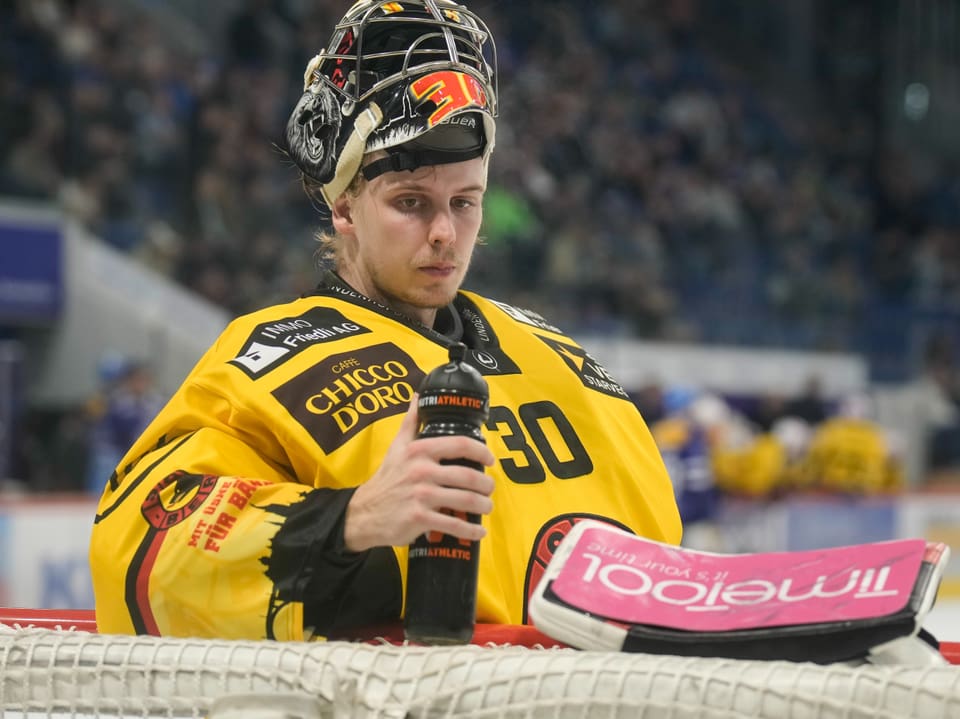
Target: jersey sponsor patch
{"x": 591, "y": 373}
{"x": 273, "y": 343}
{"x": 527, "y": 317}
{"x": 492, "y": 361}
{"x": 347, "y": 392}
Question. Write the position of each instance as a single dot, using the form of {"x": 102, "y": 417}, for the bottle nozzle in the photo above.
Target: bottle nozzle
{"x": 457, "y": 352}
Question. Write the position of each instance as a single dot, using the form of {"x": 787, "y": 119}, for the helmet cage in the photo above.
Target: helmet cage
{"x": 430, "y": 35}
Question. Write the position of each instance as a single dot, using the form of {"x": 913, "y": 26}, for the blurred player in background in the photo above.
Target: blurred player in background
{"x": 274, "y": 496}
{"x": 698, "y": 432}
{"x": 683, "y": 436}
{"x": 850, "y": 453}
{"x": 125, "y": 404}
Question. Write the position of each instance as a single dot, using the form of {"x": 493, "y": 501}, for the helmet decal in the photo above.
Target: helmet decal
{"x": 337, "y": 76}
{"x": 449, "y": 91}
{"x": 312, "y": 133}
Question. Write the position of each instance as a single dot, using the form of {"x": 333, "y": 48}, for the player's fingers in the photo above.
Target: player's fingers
{"x": 428, "y": 474}
{"x": 454, "y": 447}
{"x": 410, "y": 423}
{"x": 408, "y": 429}
{"x": 465, "y": 478}
{"x": 461, "y": 500}
{"x": 456, "y": 526}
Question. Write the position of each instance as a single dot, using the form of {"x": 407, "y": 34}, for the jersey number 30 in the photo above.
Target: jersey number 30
{"x": 542, "y": 434}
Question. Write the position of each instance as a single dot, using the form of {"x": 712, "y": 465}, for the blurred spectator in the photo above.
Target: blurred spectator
{"x": 710, "y": 197}
{"x": 53, "y": 449}
{"x": 940, "y": 385}
{"x": 33, "y": 166}
{"x": 768, "y": 409}
{"x": 649, "y": 400}
{"x": 255, "y": 32}
{"x": 684, "y": 437}
{"x": 809, "y": 405}
{"x": 127, "y": 402}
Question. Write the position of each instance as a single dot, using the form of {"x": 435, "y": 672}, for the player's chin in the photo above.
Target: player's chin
{"x": 435, "y": 296}
{"x": 439, "y": 290}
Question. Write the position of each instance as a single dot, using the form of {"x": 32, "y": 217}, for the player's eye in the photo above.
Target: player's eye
{"x": 409, "y": 204}
{"x": 464, "y": 203}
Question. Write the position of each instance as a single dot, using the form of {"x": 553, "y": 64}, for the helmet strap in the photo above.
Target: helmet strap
{"x": 352, "y": 154}
{"x": 401, "y": 160}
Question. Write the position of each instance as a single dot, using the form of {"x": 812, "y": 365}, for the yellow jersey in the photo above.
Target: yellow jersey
{"x": 225, "y": 519}
{"x": 850, "y": 455}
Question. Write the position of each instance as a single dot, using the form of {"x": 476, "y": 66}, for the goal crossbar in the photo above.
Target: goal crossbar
{"x": 55, "y": 673}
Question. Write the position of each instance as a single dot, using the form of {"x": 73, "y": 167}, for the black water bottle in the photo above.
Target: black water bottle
{"x": 441, "y": 600}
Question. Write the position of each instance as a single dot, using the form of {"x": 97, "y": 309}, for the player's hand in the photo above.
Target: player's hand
{"x": 406, "y": 496}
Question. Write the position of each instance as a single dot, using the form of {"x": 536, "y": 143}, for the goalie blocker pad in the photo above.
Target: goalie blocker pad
{"x": 607, "y": 589}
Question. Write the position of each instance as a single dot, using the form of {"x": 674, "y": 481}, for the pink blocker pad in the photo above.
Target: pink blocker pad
{"x": 638, "y": 581}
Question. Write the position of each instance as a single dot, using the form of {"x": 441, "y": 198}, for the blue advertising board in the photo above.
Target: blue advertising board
{"x": 31, "y": 268}
{"x": 836, "y": 522}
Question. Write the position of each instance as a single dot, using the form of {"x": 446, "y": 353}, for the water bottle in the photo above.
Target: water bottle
{"x": 441, "y": 599}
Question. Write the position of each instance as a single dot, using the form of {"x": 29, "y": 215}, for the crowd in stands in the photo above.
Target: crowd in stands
{"x": 641, "y": 186}
{"x": 640, "y": 183}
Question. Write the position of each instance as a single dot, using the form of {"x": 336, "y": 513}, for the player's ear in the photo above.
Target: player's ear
{"x": 342, "y": 214}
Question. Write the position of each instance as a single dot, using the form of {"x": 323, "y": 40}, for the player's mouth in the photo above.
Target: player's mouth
{"x": 439, "y": 270}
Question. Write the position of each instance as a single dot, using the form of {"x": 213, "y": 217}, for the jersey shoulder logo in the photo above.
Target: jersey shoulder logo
{"x": 257, "y": 357}
{"x": 337, "y": 398}
{"x": 527, "y": 317}
{"x": 485, "y": 352}
{"x": 591, "y": 373}
{"x": 273, "y": 343}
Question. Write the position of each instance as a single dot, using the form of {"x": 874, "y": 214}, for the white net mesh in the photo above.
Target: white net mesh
{"x": 50, "y": 673}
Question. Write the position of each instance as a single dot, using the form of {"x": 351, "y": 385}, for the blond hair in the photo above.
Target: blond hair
{"x": 330, "y": 250}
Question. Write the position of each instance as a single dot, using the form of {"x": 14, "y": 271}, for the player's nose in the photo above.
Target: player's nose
{"x": 442, "y": 230}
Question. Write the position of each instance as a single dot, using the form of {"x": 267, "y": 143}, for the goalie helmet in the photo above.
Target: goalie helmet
{"x": 415, "y": 78}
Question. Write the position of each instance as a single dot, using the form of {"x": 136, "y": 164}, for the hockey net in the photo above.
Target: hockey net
{"x": 55, "y": 673}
